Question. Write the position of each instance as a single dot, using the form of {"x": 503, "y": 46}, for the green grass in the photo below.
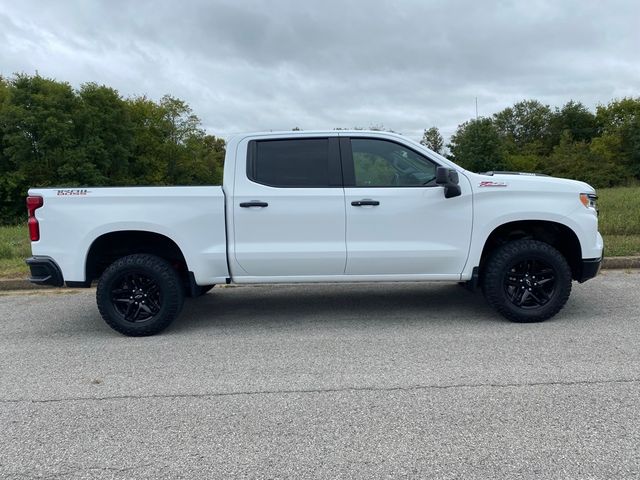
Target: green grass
{"x": 619, "y": 224}
{"x": 619, "y": 210}
{"x": 621, "y": 245}
{"x": 14, "y": 248}
{"x": 619, "y": 220}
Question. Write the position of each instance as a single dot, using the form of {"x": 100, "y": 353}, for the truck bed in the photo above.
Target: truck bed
{"x": 71, "y": 220}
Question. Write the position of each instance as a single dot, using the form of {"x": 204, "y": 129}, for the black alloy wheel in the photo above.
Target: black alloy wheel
{"x": 136, "y": 297}
{"x": 530, "y": 283}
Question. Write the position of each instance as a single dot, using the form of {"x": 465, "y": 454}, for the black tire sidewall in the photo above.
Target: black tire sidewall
{"x": 165, "y": 277}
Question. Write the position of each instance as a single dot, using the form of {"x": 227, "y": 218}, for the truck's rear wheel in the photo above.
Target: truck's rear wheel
{"x": 527, "y": 281}
{"x": 139, "y": 295}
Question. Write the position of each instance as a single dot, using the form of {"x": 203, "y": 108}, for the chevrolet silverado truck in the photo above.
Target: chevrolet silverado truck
{"x": 305, "y": 207}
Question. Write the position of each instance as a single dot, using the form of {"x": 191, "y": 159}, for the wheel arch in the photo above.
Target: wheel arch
{"x": 556, "y": 234}
{"x": 109, "y": 247}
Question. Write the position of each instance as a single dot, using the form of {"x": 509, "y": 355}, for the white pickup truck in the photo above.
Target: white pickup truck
{"x": 333, "y": 206}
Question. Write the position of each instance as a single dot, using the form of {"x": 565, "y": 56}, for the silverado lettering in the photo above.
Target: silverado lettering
{"x": 72, "y": 192}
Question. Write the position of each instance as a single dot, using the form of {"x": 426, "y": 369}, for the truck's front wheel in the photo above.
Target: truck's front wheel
{"x": 139, "y": 295}
{"x": 527, "y": 280}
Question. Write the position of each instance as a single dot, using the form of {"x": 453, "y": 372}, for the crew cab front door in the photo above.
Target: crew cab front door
{"x": 398, "y": 220}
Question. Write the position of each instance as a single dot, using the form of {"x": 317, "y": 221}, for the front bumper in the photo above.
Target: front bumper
{"x": 590, "y": 268}
{"x": 44, "y": 271}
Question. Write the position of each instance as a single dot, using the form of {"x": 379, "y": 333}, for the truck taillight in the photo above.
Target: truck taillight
{"x": 33, "y": 203}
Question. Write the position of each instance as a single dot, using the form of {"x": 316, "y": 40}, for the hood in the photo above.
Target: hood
{"x": 526, "y": 181}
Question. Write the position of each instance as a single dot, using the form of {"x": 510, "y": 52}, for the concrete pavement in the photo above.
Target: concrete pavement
{"x": 329, "y": 381}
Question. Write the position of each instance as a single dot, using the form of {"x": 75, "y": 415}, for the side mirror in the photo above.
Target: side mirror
{"x": 448, "y": 178}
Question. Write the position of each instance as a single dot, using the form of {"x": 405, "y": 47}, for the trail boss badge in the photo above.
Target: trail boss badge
{"x": 489, "y": 183}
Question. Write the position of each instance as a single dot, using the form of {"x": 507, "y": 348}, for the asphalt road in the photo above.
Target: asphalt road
{"x": 334, "y": 381}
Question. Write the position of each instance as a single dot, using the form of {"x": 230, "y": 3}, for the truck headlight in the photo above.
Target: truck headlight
{"x": 589, "y": 200}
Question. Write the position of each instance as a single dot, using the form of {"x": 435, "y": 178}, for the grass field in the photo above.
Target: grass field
{"x": 619, "y": 224}
{"x": 14, "y": 248}
{"x": 620, "y": 220}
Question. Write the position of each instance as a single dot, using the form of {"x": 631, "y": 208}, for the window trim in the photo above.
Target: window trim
{"x": 348, "y": 167}
{"x": 334, "y": 162}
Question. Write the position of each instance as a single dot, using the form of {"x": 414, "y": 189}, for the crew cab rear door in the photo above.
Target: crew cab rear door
{"x": 398, "y": 220}
{"x": 288, "y": 208}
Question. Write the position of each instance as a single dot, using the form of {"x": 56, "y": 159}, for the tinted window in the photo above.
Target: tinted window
{"x": 379, "y": 163}
{"x": 290, "y": 163}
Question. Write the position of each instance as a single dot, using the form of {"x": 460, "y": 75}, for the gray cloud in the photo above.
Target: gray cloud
{"x": 250, "y": 65}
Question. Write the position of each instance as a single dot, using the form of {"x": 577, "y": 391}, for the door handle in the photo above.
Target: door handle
{"x": 254, "y": 203}
{"x": 362, "y": 203}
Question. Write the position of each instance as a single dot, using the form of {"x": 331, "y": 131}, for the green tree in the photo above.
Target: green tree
{"x": 4, "y": 90}
{"x": 51, "y": 134}
{"x": 433, "y": 140}
{"x": 170, "y": 147}
{"x": 612, "y": 171}
{"x": 213, "y": 153}
{"x": 583, "y": 161}
{"x": 39, "y": 144}
{"x": 574, "y": 118}
{"x": 476, "y": 145}
{"x": 38, "y": 127}
{"x": 621, "y": 118}
{"x": 12, "y": 182}
{"x": 182, "y": 132}
{"x": 525, "y": 127}
{"x": 524, "y": 162}
{"x": 105, "y": 132}
{"x": 148, "y": 166}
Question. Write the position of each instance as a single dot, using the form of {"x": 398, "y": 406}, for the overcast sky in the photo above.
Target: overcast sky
{"x": 272, "y": 65}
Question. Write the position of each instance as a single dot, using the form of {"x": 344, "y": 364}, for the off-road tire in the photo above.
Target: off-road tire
{"x": 167, "y": 287}
{"x": 497, "y": 280}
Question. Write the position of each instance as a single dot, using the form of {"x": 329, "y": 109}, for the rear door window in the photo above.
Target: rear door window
{"x": 305, "y": 162}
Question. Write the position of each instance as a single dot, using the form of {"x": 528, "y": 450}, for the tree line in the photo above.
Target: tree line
{"x": 601, "y": 148}
{"x": 54, "y": 135}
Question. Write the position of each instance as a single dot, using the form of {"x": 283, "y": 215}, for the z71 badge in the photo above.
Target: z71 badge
{"x": 492, "y": 184}
{"x": 73, "y": 192}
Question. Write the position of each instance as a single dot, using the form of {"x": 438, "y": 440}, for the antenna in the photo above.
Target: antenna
{"x": 476, "y": 108}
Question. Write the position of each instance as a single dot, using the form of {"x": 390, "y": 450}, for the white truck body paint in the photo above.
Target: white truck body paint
{"x": 314, "y": 234}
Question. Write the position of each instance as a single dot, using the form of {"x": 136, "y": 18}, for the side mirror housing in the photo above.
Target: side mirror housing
{"x": 448, "y": 178}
